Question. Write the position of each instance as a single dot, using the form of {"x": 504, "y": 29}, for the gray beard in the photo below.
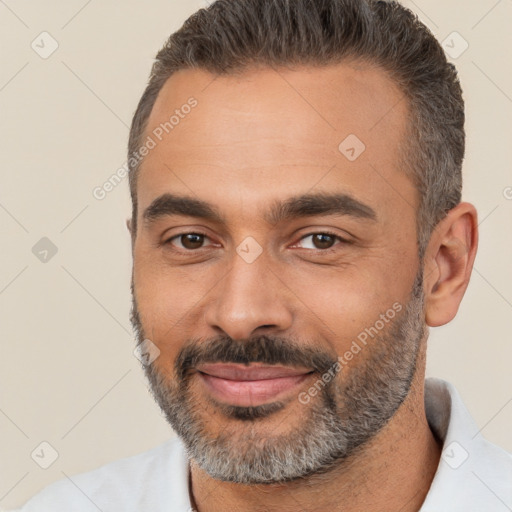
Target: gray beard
{"x": 346, "y": 413}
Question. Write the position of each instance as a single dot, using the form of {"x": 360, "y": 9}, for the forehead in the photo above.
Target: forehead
{"x": 263, "y": 132}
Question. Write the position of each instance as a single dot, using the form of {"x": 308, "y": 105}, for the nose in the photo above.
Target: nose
{"x": 248, "y": 298}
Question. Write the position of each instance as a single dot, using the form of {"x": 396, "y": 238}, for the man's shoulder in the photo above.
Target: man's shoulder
{"x": 151, "y": 480}
{"x": 473, "y": 474}
{"x": 490, "y": 470}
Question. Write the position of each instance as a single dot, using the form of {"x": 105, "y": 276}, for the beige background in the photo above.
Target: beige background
{"x": 68, "y": 374}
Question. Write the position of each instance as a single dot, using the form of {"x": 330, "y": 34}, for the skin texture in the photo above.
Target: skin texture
{"x": 266, "y": 135}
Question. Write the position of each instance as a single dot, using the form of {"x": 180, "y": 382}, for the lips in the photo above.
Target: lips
{"x": 250, "y": 385}
{"x": 239, "y": 372}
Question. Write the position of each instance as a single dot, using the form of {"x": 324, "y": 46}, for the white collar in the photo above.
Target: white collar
{"x": 473, "y": 474}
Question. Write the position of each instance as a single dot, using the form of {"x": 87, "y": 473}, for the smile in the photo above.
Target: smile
{"x": 253, "y": 385}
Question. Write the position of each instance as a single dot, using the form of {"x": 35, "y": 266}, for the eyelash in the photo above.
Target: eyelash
{"x": 329, "y": 233}
{"x": 324, "y": 232}
{"x": 168, "y": 242}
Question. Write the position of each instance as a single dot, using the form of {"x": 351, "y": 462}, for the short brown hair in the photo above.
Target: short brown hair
{"x": 231, "y": 35}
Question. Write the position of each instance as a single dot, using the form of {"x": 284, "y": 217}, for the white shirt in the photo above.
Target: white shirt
{"x": 473, "y": 474}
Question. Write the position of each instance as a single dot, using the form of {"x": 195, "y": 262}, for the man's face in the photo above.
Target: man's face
{"x": 325, "y": 284}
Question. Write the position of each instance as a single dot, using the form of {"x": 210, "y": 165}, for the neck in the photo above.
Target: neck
{"x": 392, "y": 472}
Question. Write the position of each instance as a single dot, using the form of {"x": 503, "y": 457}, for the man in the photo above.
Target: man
{"x": 297, "y": 225}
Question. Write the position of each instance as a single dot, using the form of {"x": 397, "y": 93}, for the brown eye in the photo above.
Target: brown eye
{"x": 192, "y": 240}
{"x": 188, "y": 241}
{"x": 323, "y": 240}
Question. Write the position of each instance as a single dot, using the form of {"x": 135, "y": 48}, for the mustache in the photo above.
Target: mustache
{"x": 269, "y": 350}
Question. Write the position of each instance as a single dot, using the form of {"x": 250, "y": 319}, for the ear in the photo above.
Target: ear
{"x": 129, "y": 225}
{"x": 448, "y": 263}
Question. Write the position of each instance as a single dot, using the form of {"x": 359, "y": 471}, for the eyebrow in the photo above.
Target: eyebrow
{"x": 170, "y": 204}
{"x": 305, "y": 205}
{"x": 319, "y": 204}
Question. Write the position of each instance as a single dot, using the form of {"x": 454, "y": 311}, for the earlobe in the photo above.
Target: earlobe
{"x": 449, "y": 262}
{"x": 129, "y": 225}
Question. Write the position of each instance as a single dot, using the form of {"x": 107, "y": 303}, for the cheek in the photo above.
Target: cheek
{"x": 343, "y": 307}
{"x": 159, "y": 309}
{"x": 167, "y": 300}
{"x": 345, "y": 303}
